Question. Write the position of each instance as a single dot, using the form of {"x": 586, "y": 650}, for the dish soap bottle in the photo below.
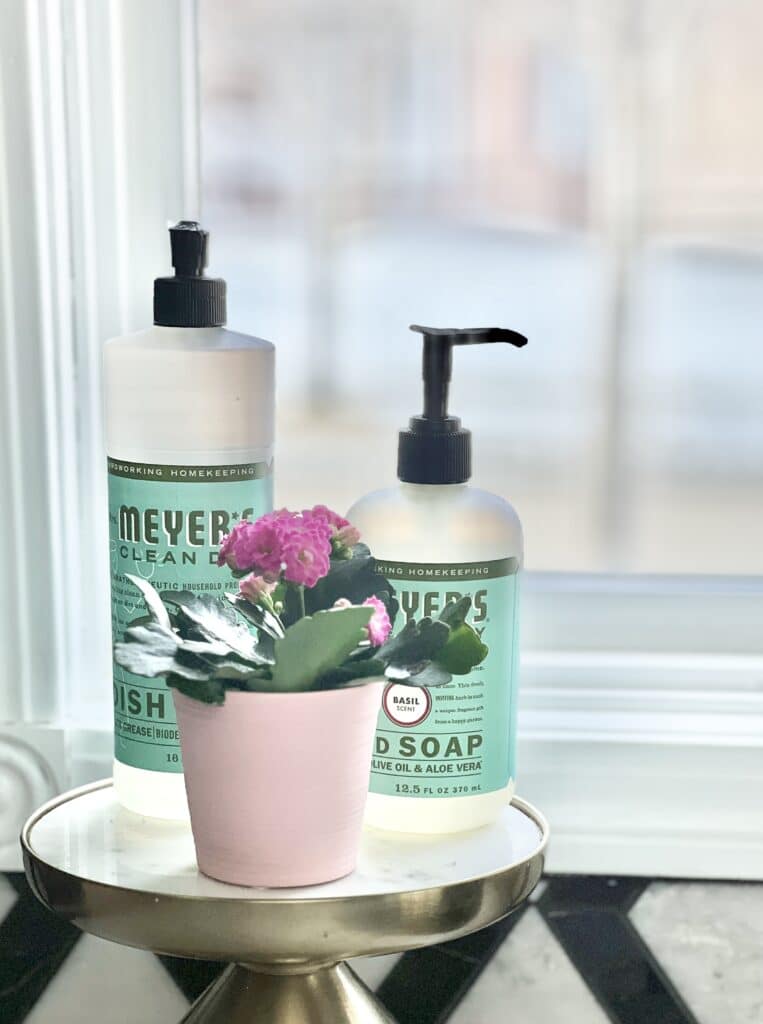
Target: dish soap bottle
{"x": 189, "y": 423}
{"x": 444, "y": 758}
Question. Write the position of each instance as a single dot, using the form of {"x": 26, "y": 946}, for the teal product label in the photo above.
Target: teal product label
{"x": 459, "y": 739}
{"x": 166, "y": 523}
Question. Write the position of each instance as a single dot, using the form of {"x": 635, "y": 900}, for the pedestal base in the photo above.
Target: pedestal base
{"x": 134, "y": 880}
{"x": 332, "y": 995}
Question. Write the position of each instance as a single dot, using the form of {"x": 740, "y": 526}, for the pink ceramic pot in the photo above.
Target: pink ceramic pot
{"x": 277, "y": 782}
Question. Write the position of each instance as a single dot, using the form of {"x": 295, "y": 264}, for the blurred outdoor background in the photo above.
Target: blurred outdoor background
{"x": 589, "y": 172}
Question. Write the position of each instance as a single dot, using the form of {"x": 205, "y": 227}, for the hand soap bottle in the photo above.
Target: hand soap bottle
{"x": 444, "y": 761}
{"x": 189, "y": 422}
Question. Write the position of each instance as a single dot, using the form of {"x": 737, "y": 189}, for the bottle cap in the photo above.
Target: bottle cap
{"x": 189, "y": 299}
{"x": 436, "y": 449}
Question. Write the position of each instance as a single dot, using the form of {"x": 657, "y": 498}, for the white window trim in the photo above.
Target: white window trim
{"x": 641, "y": 720}
{"x": 98, "y": 152}
{"x": 641, "y": 725}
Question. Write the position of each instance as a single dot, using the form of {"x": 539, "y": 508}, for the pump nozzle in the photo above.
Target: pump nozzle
{"x": 189, "y": 299}
{"x": 437, "y": 363}
{"x": 189, "y": 243}
{"x": 436, "y": 449}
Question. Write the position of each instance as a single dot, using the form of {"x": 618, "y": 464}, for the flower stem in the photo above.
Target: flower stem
{"x": 301, "y": 598}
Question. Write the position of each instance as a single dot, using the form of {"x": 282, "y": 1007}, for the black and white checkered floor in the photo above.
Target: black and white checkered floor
{"x": 584, "y": 951}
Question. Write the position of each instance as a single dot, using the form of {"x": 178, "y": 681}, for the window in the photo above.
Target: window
{"x": 583, "y": 172}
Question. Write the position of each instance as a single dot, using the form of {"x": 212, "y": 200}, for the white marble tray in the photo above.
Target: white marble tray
{"x": 92, "y": 837}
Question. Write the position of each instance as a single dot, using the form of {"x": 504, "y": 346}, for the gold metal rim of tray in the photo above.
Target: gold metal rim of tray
{"x": 286, "y": 953}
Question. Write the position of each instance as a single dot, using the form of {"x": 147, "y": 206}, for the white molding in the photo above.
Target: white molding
{"x": 641, "y": 723}
{"x": 32, "y": 770}
{"x": 30, "y": 397}
{"x": 98, "y": 153}
{"x": 647, "y": 765}
{"x": 662, "y": 810}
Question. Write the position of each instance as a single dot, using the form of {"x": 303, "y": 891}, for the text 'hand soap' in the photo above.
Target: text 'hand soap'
{"x": 189, "y": 423}
{"x": 444, "y": 757}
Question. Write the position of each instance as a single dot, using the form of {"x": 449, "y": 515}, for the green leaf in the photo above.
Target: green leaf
{"x": 463, "y": 651}
{"x": 215, "y": 620}
{"x": 362, "y": 653}
{"x": 209, "y": 691}
{"x": 153, "y": 600}
{"x": 351, "y": 674}
{"x": 415, "y": 643}
{"x": 315, "y": 645}
{"x": 150, "y": 650}
{"x": 356, "y": 579}
{"x": 293, "y": 606}
{"x": 430, "y": 675}
{"x": 260, "y": 617}
{"x": 238, "y": 671}
{"x": 204, "y": 648}
{"x": 454, "y": 613}
{"x": 266, "y": 648}
{"x": 255, "y": 683}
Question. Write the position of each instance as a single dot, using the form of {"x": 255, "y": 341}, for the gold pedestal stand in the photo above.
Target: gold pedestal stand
{"x": 134, "y": 881}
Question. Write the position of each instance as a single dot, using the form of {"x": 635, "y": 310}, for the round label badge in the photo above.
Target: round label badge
{"x": 406, "y": 705}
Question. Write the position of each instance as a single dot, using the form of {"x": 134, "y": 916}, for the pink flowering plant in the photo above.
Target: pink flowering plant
{"x": 311, "y": 612}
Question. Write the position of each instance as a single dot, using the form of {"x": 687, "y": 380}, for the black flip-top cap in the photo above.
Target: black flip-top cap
{"x": 436, "y": 449}
{"x": 189, "y": 299}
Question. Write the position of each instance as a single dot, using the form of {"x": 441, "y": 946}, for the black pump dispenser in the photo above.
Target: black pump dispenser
{"x": 436, "y": 449}
{"x": 189, "y": 299}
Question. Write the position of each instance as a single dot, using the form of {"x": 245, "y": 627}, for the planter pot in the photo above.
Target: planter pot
{"x": 277, "y": 782}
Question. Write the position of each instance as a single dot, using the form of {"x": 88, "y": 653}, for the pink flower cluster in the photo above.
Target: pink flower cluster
{"x": 258, "y": 589}
{"x": 343, "y": 533}
{"x": 297, "y": 544}
{"x": 380, "y": 627}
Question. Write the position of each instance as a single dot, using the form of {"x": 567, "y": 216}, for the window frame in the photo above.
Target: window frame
{"x": 641, "y": 709}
